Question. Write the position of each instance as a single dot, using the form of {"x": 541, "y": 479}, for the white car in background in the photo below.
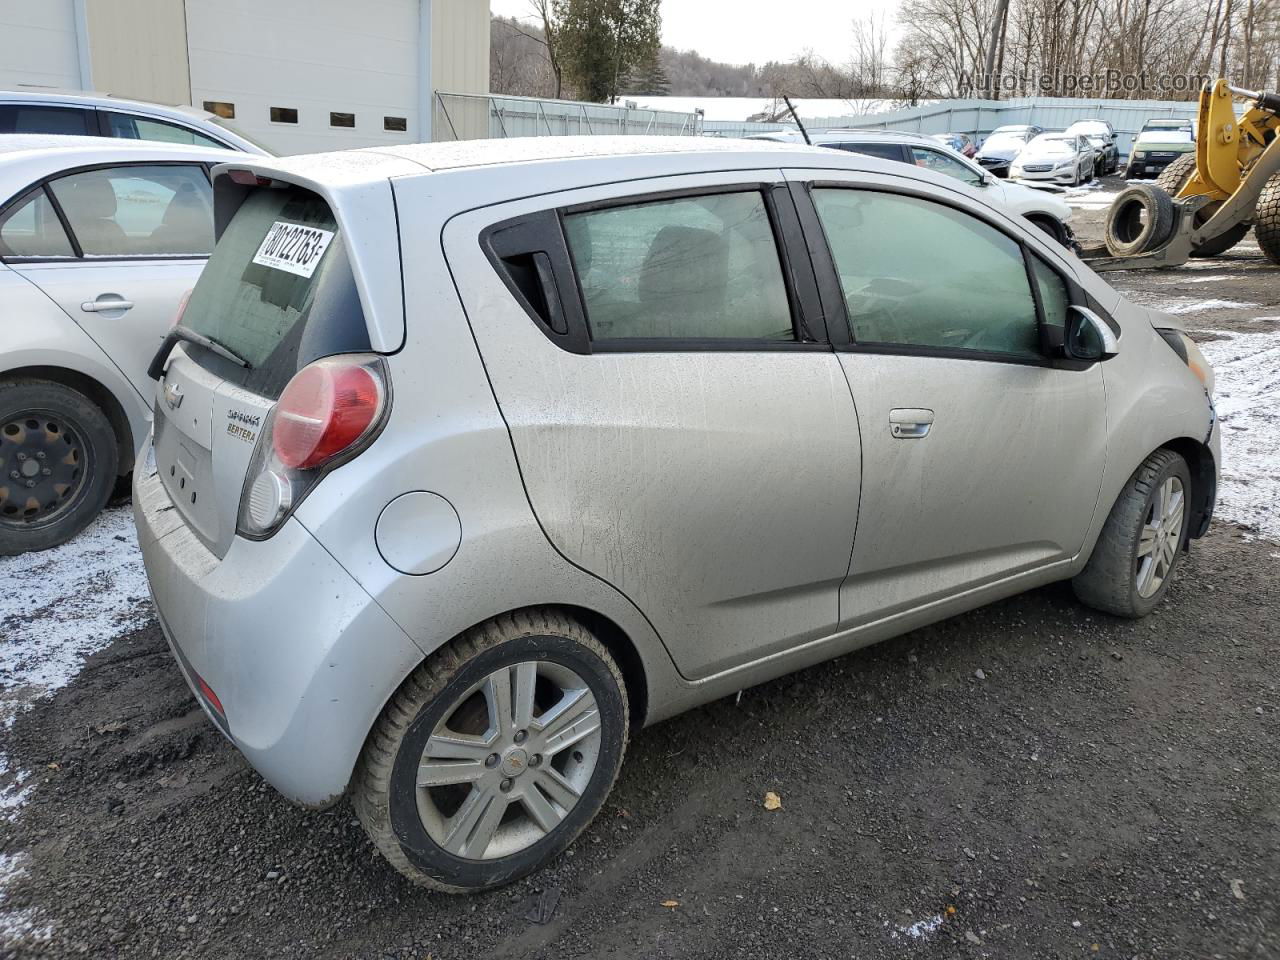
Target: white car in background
{"x": 44, "y": 112}
{"x": 99, "y": 240}
{"x": 1050, "y": 213}
{"x": 1062, "y": 158}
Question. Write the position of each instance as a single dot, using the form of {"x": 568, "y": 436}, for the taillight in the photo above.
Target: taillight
{"x": 325, "y": 408}
{"x": 182, "y": 308}
{"x": 328, "y": 413}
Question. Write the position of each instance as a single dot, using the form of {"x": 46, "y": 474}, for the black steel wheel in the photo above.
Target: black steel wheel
{"x": 58, "y": 461}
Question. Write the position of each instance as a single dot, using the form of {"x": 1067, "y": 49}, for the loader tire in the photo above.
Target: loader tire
{"x": 1141, "y": 219}
{"x": 1171, "y": 180}
{"x": 1266, "y": 220}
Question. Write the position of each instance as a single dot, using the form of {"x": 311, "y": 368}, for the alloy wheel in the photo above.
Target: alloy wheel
{"x": 1161, "y": 537}
{"x": 508, "y": 760}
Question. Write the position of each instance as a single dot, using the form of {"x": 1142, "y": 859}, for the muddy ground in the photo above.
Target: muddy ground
{"x": 1033, "y": 779}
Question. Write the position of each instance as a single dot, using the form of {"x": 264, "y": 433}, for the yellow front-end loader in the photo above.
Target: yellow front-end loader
{"x": 1203, "y": 204}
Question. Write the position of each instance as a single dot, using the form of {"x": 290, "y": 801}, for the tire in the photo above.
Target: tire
{"x": 1113, "y": 579}
{"x": 1051, "y": 227}
{"x": 411, "y": 825}
{"x": 1266, "y": 220}
{"x": 58, "y": 463}
{"x": 1141, "y": 218}
{"x": 1176, "y": 176}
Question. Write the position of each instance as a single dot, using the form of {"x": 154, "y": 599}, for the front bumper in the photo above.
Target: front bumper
{"x": 1149, "y": 167}
{"x": 1044, "y": 176}
{"x": 299, "y": 655}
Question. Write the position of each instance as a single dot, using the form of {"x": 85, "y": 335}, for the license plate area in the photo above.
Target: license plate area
{"x": 186, "y": 470}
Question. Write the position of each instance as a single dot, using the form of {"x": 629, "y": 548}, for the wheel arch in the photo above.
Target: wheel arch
{"x": 1049, "y": 224}
{"x": 1204, "y": 481}
{"x": 96, "y": 391}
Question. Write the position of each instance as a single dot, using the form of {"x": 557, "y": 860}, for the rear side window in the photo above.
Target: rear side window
{"x": 34, "y": 118}
{"x": 139, "y": 211}
{"x": 885, "y": 151}
{"x": 130, "y": 127}
{"x": 32, "y": 229}
{"x": 278, "y": 291}
{"x": 692, "y": 268}
{"x": 922, "y": 274}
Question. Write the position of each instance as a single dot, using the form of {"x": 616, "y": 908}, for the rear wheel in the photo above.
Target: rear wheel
{"x": 58, "y": 460}
{"x": 1266, "y": 220}
{"x": 494, "y": 754}
{"x": 1141, "y": 543}
{"x": 1176, "y": 176}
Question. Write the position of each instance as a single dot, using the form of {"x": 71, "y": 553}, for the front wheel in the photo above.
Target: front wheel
{"x": 58, "y": 464}
{"x": 494, "y": 754}
{"x": 1141, "y": 543}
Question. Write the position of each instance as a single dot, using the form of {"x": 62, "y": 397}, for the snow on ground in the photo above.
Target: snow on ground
{"x": 1247, "y": 368}
{"x": 17, "y": 925}
{"x": 57, "y": 608}
{"x": 1184, "y": 305}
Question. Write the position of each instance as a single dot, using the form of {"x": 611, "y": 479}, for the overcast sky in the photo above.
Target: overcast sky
{"x": 751, "y": 31}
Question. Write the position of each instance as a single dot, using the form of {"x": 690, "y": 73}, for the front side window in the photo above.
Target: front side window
{"x": 143, "y": 210}
{"x": 693, "y": 268}
{"x": 921, "y": 274}
{"x": 32, "y": 229}
{"x": 130, "y": 127}
{"x": 939, "y": 162}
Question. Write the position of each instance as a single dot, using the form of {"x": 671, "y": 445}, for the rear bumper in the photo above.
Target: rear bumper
{"x": 299, "y": 655}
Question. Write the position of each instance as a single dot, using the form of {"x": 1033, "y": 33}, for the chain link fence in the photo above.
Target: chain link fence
{"x": 463, "y": 116}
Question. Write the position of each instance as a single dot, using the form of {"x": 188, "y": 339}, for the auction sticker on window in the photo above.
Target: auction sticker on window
{"x": 293, "y": 247}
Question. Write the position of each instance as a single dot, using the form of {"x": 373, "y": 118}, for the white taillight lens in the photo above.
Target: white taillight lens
{"x": 326, "y": 414}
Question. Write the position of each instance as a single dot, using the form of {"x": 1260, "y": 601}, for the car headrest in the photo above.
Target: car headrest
{"x": 687, "y": 264}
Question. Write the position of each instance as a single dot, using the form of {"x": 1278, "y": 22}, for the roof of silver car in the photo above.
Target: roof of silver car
{"x": 27, "y": 143}
{"x": 350, "y": 167}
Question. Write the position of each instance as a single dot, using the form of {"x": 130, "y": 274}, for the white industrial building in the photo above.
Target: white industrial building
{"x": 297, "y": 75}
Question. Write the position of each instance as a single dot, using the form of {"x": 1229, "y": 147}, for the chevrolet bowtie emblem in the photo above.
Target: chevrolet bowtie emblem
{"x": 173, "y": 395}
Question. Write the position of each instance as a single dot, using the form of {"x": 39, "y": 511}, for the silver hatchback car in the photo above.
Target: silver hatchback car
{"x": 471, "y": 458}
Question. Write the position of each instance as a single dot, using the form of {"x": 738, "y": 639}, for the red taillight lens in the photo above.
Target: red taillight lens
{"x": 207, "y": 692}
{"x": 325, "y": 408}
{"x": 182, "y": 308}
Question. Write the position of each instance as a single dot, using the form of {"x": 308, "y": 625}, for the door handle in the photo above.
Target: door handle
{"x": 910, "y": 423}
{"x": 107, "y": 302}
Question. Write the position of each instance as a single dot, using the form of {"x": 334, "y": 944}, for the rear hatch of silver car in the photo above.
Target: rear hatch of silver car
{"x": 278, "y": 293}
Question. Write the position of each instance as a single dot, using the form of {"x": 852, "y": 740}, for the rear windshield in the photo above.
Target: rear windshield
{"x": 278, "y": 291}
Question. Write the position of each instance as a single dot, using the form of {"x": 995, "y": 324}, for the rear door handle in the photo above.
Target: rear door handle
{"x": 106, "y": 302}
{"x": 910, "y": 423}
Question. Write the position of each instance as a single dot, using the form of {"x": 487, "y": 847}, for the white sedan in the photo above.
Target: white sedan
{"x": 99, "y": 240}
{"x": 1065, "y": 158}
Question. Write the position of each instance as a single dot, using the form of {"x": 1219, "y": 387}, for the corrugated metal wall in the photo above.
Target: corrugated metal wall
{"x": 982, "y": 116}
{"x": 456, "y": 118}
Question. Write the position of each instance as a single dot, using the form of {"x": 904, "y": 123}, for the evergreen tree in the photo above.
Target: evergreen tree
{"x": 600, "y": 42}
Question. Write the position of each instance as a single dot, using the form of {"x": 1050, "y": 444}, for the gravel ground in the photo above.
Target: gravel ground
{"x": 1029, "y": 780}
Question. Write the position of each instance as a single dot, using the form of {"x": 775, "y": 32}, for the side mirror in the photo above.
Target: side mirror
{"x": 1088, "y": 336}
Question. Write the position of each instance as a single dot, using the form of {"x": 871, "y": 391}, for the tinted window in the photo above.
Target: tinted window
{"x": 939, "y": 162}
{"x": 131, "y": 127}
{"x": 32, "y": 118}
{"x": 32, "y": 229}
{"x": 920, "y": 273}
{"x": 1053, "y": 292}
{"x": 885, "y": 151}
{"x": 143, "y": 210}
{"x": 701, "y": 267}
{"x": 277, "y": 319}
